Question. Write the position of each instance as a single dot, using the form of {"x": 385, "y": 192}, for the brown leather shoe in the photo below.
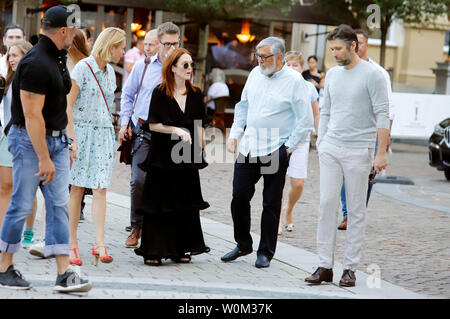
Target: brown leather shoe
{"x": 343, "y": 225}
{"x": 348, "y": 279}
{"x": 133, "y": 238}
{"x": 321, "y": 274}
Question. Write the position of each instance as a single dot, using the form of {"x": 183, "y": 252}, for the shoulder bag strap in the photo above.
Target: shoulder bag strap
{"x": 99, "y": 87}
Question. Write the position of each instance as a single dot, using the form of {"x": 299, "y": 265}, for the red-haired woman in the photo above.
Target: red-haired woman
{"x": 173, "y": 200}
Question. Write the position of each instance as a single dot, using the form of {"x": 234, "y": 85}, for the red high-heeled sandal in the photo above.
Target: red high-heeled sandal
{"x": 77, "y": 260}
{"x": 106, "y": 259}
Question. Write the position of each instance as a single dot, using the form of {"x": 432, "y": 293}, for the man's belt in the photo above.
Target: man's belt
{"x": 141, "y": 121}
{"x": 55, "y": 133}
{"x": 49, "y": 132}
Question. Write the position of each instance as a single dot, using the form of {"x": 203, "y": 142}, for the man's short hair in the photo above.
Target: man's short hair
{"x": 49, "y": 30}
{"x": 364, "y": 33}
{"x": 344, "y": 33}
{"x": 11, "y": 27}
{"x": 167, "y": 28}
{"x": 277, "y": 45}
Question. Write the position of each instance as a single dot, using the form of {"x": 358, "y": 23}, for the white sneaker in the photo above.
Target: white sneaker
{"x": 38, "y": 249}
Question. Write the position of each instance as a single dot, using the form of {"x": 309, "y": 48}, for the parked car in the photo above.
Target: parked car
{"x": 439, "y": 147}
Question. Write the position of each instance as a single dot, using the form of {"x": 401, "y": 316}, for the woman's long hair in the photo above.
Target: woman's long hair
{"x": 168, "y": 77}
{"x": 79, "y": 49}
{"x": 24, "y": 47}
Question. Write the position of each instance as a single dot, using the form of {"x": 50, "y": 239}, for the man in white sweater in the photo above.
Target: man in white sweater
{"x": 363, "y": 45}
{"x": 354, "y": 113}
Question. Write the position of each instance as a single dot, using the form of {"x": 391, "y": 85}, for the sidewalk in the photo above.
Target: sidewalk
{"x": 205, "y": 277}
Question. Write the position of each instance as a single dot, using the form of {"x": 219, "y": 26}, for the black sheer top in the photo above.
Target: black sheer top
{"x": 169, "y": 151}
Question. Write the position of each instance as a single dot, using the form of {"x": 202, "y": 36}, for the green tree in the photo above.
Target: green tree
{"x": 356, "y": 13}
{"x": 203, "y": 11}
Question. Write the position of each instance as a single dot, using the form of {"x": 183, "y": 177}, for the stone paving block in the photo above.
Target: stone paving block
{"x": 391, "y": 231}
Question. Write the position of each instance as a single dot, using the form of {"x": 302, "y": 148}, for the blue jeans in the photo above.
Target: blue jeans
{"x": 25, "y": 185}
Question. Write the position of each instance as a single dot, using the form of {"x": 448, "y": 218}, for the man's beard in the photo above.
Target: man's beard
{"x": 268, "y": 71}
{"x": 346, "y": 61}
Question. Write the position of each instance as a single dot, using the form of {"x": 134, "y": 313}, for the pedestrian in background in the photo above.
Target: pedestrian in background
{"x": 218, "y": 88}
{"x": 12, "y": 33}
{"x": 151, "y": 43}
{"x": 132, "y": 56}
{"x": 90, "y": 124}
{"x": 78, "y": 50}
{"x": 313, "y": 74}
{"x": 298, "y": 161}
{"x": 15, "y": 53}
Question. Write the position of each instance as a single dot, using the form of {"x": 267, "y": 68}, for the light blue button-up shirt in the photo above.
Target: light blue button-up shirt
{"x": 276, "y": 111}
{"x": 151, "y": 80}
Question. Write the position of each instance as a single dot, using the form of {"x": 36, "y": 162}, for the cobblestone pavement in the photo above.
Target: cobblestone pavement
{"x": 206, "y": 277}
{"x": 410, "y": 244}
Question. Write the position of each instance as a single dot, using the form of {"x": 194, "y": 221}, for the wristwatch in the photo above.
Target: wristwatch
{"x": 70, "y": 143}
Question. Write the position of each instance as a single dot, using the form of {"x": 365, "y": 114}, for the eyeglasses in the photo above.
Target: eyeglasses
{"x": 296, "y": 53}
{"x": 171, "y": 44}
{"x": 262, "y": 57}
{"x": 187, "y": 65}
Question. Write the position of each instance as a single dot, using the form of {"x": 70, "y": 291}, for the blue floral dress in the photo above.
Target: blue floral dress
{"x": 93, "y": 126}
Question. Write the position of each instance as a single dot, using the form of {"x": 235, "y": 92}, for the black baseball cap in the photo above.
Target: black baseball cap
{"x": 61, "y": 16}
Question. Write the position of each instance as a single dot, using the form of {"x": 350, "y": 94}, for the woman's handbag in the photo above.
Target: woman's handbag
{"x": 126, "y": 146}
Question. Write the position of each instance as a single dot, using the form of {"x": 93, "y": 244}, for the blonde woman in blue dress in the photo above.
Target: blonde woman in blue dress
{"x": 90, "y": 126}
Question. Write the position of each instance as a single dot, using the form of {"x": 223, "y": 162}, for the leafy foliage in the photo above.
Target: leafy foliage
{"x": 204, "y": 11}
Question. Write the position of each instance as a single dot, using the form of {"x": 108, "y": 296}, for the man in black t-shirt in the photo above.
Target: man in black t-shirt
{"x": 40, "y": 148}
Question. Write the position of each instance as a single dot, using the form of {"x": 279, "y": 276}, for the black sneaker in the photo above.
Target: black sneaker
{"x": 70, "y": 281}
{"x": 13, "y": 279}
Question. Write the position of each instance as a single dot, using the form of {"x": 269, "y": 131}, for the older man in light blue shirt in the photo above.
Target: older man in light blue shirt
{"x": 276, "y": 112}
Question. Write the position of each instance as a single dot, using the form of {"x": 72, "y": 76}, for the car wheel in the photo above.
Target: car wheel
{"x": 447, "y": 174}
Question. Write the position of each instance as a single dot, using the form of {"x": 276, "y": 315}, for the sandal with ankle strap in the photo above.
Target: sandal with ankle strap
{"x": 152, "y": 262}
{"x": 182, "y": 259}
{"x": 103, "y": 258}
{"x": 289, "y": 227}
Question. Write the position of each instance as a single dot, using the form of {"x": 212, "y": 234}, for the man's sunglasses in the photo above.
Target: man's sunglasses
{"x": 187, "y": 65}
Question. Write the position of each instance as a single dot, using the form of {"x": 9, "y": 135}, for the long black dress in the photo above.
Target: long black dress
{"x": 172, "y": 194}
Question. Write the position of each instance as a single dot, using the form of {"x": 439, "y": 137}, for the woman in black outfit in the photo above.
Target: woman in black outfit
{"x": 173, "y": 199}
{"x": 313, "y": 75}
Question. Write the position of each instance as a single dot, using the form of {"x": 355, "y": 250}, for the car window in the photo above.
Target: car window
{"x": 445, "y": 123}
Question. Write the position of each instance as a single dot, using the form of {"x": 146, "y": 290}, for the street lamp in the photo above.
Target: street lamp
{"x": 245, "y": 35}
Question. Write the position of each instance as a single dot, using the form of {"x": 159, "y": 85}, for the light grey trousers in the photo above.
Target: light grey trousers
{"x": 339, "y": 164}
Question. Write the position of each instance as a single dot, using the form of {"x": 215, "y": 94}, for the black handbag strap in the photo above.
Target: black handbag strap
{"x": 146, "y": 61}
